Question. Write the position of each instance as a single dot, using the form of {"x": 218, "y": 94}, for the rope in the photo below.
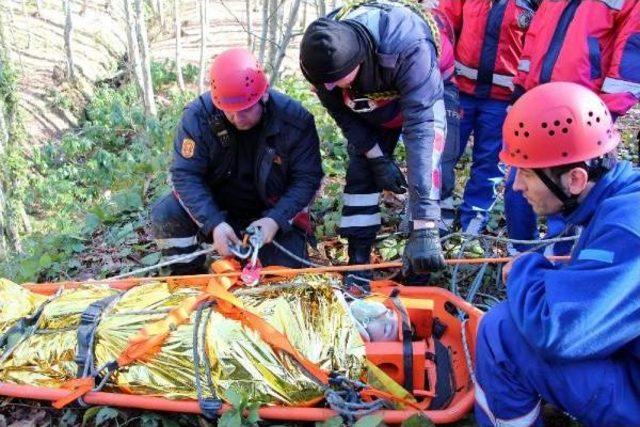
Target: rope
{"x": 165, "y": 263}
{"x": 346, "y": 400}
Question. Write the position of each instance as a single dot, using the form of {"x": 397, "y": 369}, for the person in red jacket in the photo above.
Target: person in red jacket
{"x": 489, "y": 38}
{"x": 595, "y": 44}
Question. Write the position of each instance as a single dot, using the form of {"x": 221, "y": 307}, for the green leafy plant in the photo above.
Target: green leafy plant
{"x": 243, "y": 413}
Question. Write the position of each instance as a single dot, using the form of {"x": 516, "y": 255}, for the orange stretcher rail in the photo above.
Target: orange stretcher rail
{"x": 202, "y": 279}
{"x": 192, "y": 407}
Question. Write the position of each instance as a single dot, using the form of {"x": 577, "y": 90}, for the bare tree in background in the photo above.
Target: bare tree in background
{"x": 263, "y": 32}
{"x": 321, "y": 7}
{"x": 9, "y": 225}
{"x": 159, "y": 6}
{"x": 68, "y": 39}
{"x": 132, "y": 48}
{"x": 145, "y": 59}
{"x": 178, "y": 29}
{"x": 284, "y": 42}
{"x": 247, "y": 11}
{"x": 204, "y": 29}
{"x": 272, "y": 37}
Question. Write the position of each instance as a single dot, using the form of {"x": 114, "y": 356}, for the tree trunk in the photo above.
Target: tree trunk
{"x": 68, "y": 39}
{"x": 178, "y": 28}
{"x": 284, "y": 42}
{"x": 204, "y": 29}
{"x": 247, "y": 9}
{"x": 263, "y": 31}
{"x": 132, "y": 49}
{"x": 160, "y": 10}
{"x": 145, "y": 59}
{"x": 321, "y": 8}
{"x": 272, "y": 38}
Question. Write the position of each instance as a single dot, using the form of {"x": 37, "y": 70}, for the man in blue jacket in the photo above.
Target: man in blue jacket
{"x": 374, "y": 67}
{"x": 567, "y": 334}
{"x": 244, "y": 155}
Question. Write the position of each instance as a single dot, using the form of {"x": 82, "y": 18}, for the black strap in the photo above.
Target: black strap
{"x": 210, "y": 406}
{"x": 569, "y": 203}
{"x": 86, "y": 334}
{"x": 217, "y": 125}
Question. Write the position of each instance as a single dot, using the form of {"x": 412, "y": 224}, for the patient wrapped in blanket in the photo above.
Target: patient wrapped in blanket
{"x": 41, "y": 344}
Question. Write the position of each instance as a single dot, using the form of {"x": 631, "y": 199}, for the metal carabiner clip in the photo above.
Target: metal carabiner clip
{"x": 242, "y": 250}
{"x": 356, "y": 105}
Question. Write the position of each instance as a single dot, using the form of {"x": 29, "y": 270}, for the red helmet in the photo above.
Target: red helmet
{"x": 557, "y": 124}
{"x": 237, "y": 80}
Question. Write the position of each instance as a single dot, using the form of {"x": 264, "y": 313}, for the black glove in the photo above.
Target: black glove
{"x": 388, "y": 175}
{"x": 423, "y": 252}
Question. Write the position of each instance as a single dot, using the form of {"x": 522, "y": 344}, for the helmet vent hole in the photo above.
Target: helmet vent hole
{"x": 551, "y": 133}
{"x": 544, "y": 125}
{"x": 598, "y": 119}
{"x": 525, "y": 157}
{"x": 557, "y": 123}
{"x": 247, "y": 78}
{"x": 589, "y": 123}
{"x": 599, "y": 142}
{"x": 565, "y": 130}
{"x": 565, "y": 154}
{"x": 569, "y": 120}
{"x": 517, "y": 133}
{"x": 521, "y": 125}
{"x": 518, "y": 151}
{"x": 590, "y": 113}
{"x": 526, "y": 134}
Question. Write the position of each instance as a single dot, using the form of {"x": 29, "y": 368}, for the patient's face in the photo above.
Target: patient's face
{"x": 384, "y": 327}
{"x": 378, "y": 323}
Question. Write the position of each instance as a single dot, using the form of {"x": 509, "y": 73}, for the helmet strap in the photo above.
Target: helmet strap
{"x": 569, "y": 203}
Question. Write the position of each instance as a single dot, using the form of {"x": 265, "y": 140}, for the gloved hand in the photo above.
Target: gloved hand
{"x": 223, "y": 236}
{"x": 388, "y": 175}
{"x": 268, "y": 227}
{"x": 423, "y": 252}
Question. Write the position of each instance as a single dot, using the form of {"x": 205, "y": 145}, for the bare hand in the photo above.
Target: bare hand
{"x": 223, "y": 236}
{"x": 268, "y": 227}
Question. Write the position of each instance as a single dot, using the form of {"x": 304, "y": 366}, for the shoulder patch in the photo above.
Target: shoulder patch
{"x": 188, "y": 148}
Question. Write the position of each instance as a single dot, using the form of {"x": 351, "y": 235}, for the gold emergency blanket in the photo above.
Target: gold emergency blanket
{"x": 306, "y": 309}
{"x": 45, "y": 356}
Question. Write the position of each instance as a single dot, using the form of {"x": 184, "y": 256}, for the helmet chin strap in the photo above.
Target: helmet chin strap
{"x": 569, "y": 203}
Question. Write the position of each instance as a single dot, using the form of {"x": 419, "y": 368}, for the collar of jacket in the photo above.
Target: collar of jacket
{"x": 621, "y": 176}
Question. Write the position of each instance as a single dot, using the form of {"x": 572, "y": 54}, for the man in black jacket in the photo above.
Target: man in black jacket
{"x": 374, "y": 66}
{"x": 244, "y": 155}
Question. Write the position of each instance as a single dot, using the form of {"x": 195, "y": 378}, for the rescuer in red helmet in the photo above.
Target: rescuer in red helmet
{"x": 568, "y": 334}
{"x": 244, "y": 154}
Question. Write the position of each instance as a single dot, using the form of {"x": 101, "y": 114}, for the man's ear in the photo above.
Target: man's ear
{"x": 265, "y": 97}
{"x": 575, "y": 181}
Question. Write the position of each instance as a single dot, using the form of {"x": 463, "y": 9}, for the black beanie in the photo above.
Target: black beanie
{"x": 330, "y": 50}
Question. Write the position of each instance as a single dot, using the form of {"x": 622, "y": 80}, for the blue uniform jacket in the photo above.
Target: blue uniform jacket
{"x": 590, "y": 307}
{"x": 406, "y": 58}
{"x": 288, "y": 164}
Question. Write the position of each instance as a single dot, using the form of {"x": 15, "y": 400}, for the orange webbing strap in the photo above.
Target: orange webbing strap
{"x": 148, "y": 341}
{"x": 77, "y": 388}
{"x": 227, "y": 305}
{"x": 279, "y": 341}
